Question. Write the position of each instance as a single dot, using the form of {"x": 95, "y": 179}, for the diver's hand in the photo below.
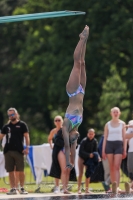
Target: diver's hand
{"x": 69, "y": 166}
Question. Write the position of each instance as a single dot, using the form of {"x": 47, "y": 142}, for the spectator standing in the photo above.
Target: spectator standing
{"x": 129, "y": 136}
{"x": 114, "y": 146}
{"x": 87, "y": 152}
{"x": 15, "y": 131}
{"x": 15, "y": 173}
{"x": 106, "y": 182}
{"x": 58, "y": 167}
{"x": 58, "y": 121}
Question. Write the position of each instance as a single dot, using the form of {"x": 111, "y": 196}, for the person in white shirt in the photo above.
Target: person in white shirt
{"x": 114, "y": 146}
{"x": 129, "y": 136}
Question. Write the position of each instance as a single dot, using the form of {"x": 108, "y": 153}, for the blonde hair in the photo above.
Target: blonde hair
{"x": 115, "y": 108}
{"x": 12, "y": 109}
{"x": 58, "y": 117}
{"x": 130, "y": 122}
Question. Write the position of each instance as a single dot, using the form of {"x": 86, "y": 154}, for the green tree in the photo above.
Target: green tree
{"x": 114, "y": 93}
{"x": 12, "y": 36}
{"x": 38, "y": 56}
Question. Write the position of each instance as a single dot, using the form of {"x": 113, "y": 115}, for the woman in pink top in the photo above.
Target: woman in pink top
{"x": 114, "y": 146}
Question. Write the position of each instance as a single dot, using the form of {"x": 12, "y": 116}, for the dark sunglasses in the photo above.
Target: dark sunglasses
{"x": 11, "y": 115}
{"x": 57, "y": 120}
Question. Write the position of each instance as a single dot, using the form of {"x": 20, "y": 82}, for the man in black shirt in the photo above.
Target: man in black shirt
{"x": 87, "y": 148}
{"x": 15, "y": 131}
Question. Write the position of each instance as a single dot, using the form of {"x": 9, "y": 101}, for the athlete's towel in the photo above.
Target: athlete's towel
{"x": 39, "y": 159}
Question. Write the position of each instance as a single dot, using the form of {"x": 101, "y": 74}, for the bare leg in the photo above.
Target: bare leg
{"x": 16, "y": 179}
{"x": 117, "y": 164}
{"x": 74, "y": 79}
{"x": 87, "y": 182}
{"x": 62, "y": 163}
{"x": 114, "y": 165}
{"x": 12, "y": 179}
{"x": 57, "y": 182}
{"x": 81, "y": 168}
{"x": 21, "y": 178}
{"x": 111, "y": 166}
{"x": 67, "y": 177}
{"x": 83, "y": 70}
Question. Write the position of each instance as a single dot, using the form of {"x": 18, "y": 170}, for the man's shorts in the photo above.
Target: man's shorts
{"x": 14, "y": 159}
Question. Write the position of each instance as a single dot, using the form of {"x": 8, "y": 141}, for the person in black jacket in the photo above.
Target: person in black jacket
{"x": 88, "y": 150}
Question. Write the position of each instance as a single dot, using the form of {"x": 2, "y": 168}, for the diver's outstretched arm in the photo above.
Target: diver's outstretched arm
{"x": 65, "y": 132}
{"x": 73, "y": 152}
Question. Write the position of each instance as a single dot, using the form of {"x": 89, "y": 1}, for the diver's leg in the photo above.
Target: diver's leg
{"x": 83, "y": 70}
{"x": 74, "y": 79}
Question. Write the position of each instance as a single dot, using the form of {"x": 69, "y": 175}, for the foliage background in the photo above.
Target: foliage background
{"x": 36, "y": 58}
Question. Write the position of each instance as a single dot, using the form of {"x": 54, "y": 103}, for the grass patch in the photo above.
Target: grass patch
{"x": 48, "y": 183}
